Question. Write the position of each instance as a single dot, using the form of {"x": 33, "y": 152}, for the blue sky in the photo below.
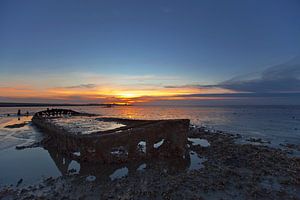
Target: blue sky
{"x": 197, "y": 42}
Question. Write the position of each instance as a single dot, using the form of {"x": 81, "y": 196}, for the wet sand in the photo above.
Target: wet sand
{"x": 224, "y": 169}
{"x": 14, "y": 131}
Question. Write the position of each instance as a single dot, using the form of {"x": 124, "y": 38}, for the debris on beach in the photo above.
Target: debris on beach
{"x": 291, "y": 146}
{"x": 17, "y": 125}
{"x": 31, "y": 145}
{"x": 257, "y": 140}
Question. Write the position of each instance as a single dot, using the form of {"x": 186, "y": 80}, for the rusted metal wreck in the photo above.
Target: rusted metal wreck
{"x": 87, "y": 137}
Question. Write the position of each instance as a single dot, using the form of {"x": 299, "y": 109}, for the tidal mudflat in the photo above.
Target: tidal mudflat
{"x": 219, "y": 167}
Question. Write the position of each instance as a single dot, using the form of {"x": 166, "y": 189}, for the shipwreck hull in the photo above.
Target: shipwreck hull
{"x": 136, "y": 139}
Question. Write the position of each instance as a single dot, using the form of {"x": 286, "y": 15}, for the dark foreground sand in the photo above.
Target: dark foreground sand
{"x": 231, "y": 171}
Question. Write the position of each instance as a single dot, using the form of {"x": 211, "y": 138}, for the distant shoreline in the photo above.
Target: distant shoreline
{"x": 4, "y": 104}
{"x": 55, "y": 105}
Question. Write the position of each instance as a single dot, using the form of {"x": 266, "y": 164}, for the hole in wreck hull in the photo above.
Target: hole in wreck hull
{"x": 158, "y": 144}
{"x": 74, "y": 167}
{"x": 119, "y": 152}
{"x": 142, "y": 167}
{"x": 142, "y": 147}
{"x": 77, "y": 153}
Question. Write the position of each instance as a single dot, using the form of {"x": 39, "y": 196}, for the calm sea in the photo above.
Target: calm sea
{"x": 268, "y": 122}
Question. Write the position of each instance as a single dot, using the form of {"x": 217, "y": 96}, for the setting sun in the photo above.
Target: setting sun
{"x": 128, "y": 95}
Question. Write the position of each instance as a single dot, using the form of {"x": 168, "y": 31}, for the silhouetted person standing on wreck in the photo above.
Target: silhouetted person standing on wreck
{"x": 19, "y": 112}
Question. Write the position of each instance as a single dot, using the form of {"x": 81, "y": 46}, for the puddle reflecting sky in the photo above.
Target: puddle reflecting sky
{"x": 119, "y": 173}
{"x": 198, "y": 141}
{"x": 85, "y": 125}
{"x": 29, "y": 164}
{"x": 196, "y": 161}
{"x": 11, "y": 137}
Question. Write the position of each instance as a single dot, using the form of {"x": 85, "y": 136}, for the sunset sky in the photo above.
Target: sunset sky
{"x": 150, "y": 52}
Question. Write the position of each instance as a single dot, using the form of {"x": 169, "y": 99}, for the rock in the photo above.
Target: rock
{"x": 19, "y": 182}
{"x": 90, "y": 178}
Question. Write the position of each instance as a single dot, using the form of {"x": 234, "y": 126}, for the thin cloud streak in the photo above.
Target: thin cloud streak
{"x": 280, "y": 78}
{"x": 243, "y": 95}
{"x": 84, "y": 86}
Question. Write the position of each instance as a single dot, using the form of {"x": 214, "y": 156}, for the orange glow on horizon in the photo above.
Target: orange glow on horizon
{"x": 109, "y": 94}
